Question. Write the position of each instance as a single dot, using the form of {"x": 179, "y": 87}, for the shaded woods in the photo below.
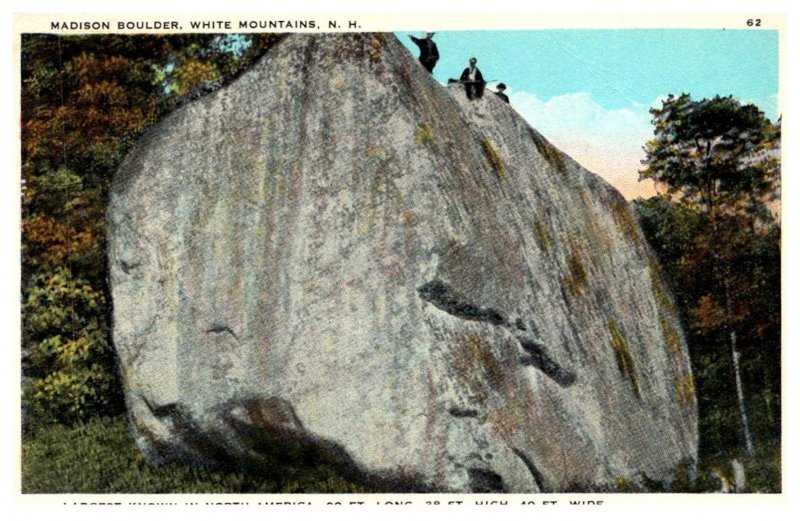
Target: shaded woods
{"x": 716, "y": 231}
{"x": 85, "y": 100}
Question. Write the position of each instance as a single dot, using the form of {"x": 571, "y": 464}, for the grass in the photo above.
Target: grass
{"x": 100, "y": 457}
{"x": 762, "y": 469}
{"x": 762, "y": 474}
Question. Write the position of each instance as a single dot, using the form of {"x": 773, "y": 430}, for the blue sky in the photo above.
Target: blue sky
{"x": 589, "y": 91}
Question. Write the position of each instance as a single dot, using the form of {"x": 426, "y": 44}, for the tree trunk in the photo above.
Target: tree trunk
{"x": 748, "y": 437}
{"x": 725, "y": 268}
{"x": 767, "y": 393}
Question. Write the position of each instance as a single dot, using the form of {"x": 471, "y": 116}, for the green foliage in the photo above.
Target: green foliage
{"x": 763, "y": 469}
{"x": 711, "y": 151}
{"x": 98, "y": 457}
{"x": 67, "y": 353}
{"x": 85, "y": 100}
{"x": 762, "y": 473}
{"x": 720, "y": 247}
{"x": 689, "y": 252}
{"x": 670, "y": 226}
{"x": 719, "y": 244}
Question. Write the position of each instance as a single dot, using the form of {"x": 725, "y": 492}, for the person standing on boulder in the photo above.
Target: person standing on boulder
{"x": 473, "y": 80}
{"x": 428, "y": 53}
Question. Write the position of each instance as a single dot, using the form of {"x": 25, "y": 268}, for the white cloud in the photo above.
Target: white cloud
{"x": 774, "y": 107}
{"x": 607, "y": 142}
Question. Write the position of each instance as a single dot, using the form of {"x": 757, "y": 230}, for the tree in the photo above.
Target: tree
{"x": 721, "y": 158}
{"x": 85, "y": 99}
{"x": 713, "y": 153}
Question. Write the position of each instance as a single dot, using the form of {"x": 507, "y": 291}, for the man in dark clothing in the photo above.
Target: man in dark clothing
{"x": 500, "y": 94}
{"x": 428, "y": 53}
{"x": 473, "y": 80}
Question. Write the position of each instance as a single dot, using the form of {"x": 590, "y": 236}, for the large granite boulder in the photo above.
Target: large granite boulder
{"x": 336, "y": 259}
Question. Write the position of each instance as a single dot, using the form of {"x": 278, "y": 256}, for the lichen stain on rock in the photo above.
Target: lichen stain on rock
{"x": 586, "y": 197}
{"x": 476, "y": 366}
{"x": 480, "y": 350}
{"x": 625, "y": 362}
{"x": 542, "y": 237}
{"x": 659, "y": 285}
{"x": 423, "y": 135}
{"x": 355, "y": 47}
{"x": 624, "y": 218}
{"x": 685, "y": 390}
{"x": 576, "y": 278}
{"x": 493, "y": 156}
{"x": 671, "y": 336}
{"x": 406, "y": 218}
{"x": 549, "y": 152}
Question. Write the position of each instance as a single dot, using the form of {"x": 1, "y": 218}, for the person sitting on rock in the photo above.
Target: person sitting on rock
{"x": 501, "y": 87}
{"x": 428, "y": 53}
{"x": 473, "y": 80}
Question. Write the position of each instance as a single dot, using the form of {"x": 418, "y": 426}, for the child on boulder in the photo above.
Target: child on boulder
{"x": 501, "y": 87}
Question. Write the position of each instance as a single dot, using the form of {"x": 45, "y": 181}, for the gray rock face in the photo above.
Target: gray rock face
{"x": 337, "y": 259}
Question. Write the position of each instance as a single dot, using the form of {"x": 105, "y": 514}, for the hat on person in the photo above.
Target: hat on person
{"x": 501, "y": 86}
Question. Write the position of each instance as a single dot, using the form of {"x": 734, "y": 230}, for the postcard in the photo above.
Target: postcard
{"x": 323, "y": 259}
